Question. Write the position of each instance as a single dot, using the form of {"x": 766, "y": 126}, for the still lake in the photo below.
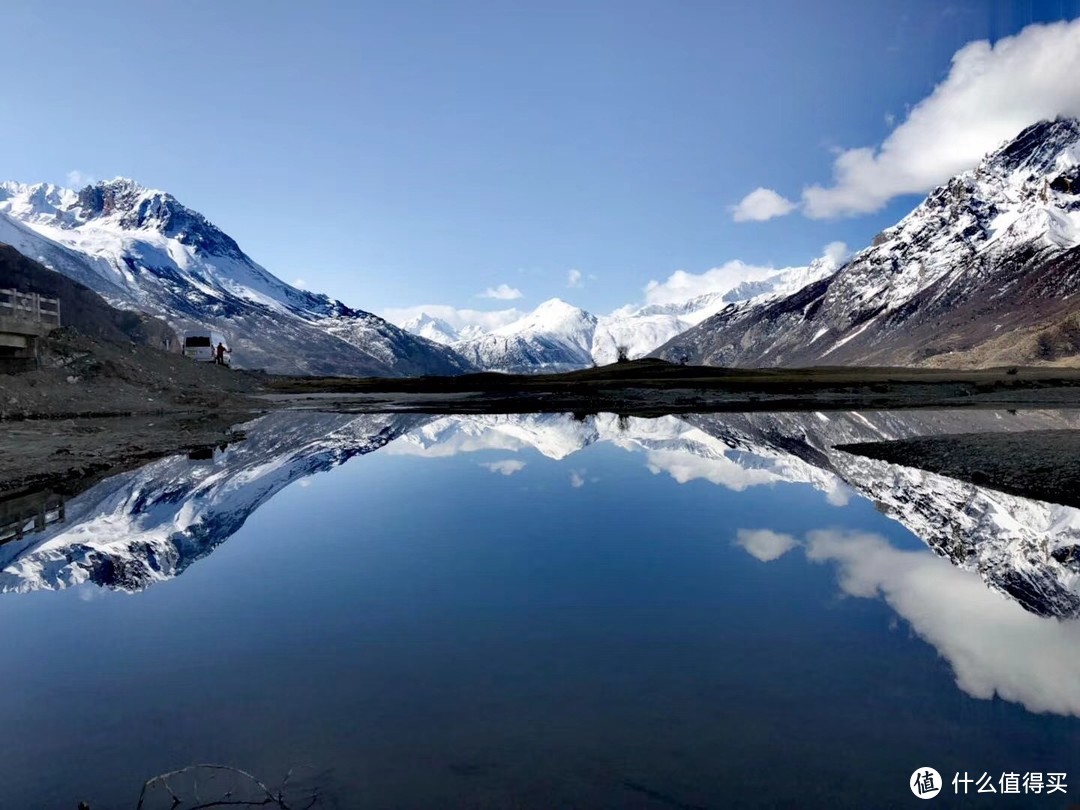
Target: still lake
{"x": 545, "y": 611}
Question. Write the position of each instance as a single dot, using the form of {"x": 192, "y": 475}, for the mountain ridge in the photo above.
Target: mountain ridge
{"x": 980, "y": 273}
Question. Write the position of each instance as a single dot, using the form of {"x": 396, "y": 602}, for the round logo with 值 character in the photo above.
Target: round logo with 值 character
{"x": 925, "y": 783}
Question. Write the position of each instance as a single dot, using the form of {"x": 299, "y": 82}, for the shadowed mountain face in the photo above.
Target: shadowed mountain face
{"x": 982, "y": 273}
{"x": 150, "y": 524}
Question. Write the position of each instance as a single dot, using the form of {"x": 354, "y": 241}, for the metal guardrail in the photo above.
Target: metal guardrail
{"x": 30, "y": 307}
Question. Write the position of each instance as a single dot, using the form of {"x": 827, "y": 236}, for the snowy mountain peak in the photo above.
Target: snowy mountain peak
{"x": 432, "y": 328}
{"x": 557, "y": 306}
{"x": 555, "y": 315}
{"x": 42, "y": 202}
{"x": 133, "y": 207}
{"x": 1037, "y": 150}
{"x": 556, "y": 336}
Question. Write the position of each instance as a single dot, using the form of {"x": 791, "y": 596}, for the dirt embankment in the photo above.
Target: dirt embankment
{"x": 52, "y": 420}
{"x": 85, "y": 377}
{"x": 96, "y": 407}
{"x": 67, "y": 454}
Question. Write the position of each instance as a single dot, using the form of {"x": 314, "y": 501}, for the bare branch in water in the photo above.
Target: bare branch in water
{"x": 265, "y": 797}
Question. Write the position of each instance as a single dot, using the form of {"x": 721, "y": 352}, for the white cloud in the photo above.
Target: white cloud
{"x": 994, "y": 646}
{"x": 574, "y": 279}
{"x": 836, "y": 253}
{"x": 79, "y": 179}
{"x": 990, "y": 94}
{"x": 505, "y": 467}
{"x": 89, "y": 592}
{"x": 682, "y": 286}
{"x": 504, "y": 292}
{"x": 839, "y": 494}
{"x": 685, "y": 467}
{"x": 761, "y": 204}
{"x": 765, "y": 544}
{"x": 300, "y": 283}
{"x": 577, "y": 479}
{"x": 457, "y": 318}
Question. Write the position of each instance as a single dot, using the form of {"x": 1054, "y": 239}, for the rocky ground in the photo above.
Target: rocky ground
{"x": 1039, "y": 464}
{"x": 84, "y": 377}
{"x": 651, "y": 387}
{"x": 70, "y": 453}
{"x": 98, "y": 406}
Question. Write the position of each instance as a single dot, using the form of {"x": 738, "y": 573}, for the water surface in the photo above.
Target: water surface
{"x": 544, "y": 612}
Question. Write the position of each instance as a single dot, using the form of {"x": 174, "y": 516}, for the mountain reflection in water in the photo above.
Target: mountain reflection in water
{"x": 150, "y": 524}
{"x": 542, "y": 611}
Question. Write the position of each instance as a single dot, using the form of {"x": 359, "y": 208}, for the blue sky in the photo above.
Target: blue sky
{"x": 394, "y": 154}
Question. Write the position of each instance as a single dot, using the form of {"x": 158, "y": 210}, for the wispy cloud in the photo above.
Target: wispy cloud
{"x": 457, "y": 318}
{"x": 503, "y": 292}
{"x": 577, "y": 479}
{"x": 78, "y": 179}
{"x": 682, "y": 286}
{"x": 300, "y": 283}
{"x": 574, "y": 279}
{"x": 505, "y": 467}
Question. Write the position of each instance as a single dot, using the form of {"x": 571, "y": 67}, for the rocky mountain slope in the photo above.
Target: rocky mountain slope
{"x": 985, "y": 271}
{"x": 142, "y": 249}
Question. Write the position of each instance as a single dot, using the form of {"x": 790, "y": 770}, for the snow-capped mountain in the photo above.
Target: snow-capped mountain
{"x": 558, "y": 336}
{"x": 1023, "y": 548}
{"x": 141, "y": 249}
{"x": 983, "y": 271}
{"x": 555, "y": 336}
{"x": 432, "y": 328}
{"x": 553, "y": 435}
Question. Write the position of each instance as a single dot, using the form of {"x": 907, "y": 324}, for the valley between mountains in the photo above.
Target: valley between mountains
{"x": 983, "y": 272}
{"x": 971, "y": 300}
